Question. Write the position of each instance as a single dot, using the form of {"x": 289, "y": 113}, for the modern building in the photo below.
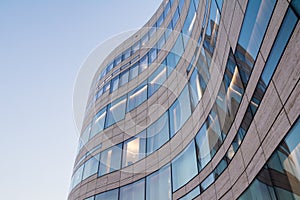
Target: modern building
{"x": 201, "y": 103}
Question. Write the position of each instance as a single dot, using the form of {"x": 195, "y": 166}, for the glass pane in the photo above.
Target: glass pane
{"x": 296, "y": 5}
{"x": 159, "y": 185}
{"x": 91, "y": 166}
{"x": 77, "y": 177}
{"x": 152, "y": 55}
{"x": 195, "y": 88}
{"x": 123, "y": 78}
{"x": 180, "y": 111}
{"x": 160, "y": 20}
{"x": 134, "y": 191}
{"x": 134, "y": 149}
{"x": 158, "y": 133}
{"x": 116, "y": 111}
{"x": 110, "y": 195}
{"x": 134, "y": 71}
{"x": 143, "y": 63}
{"x": 279, "y": 45}
{"x": 255, "y": 23}
{"x": 137, "y": 97}
{"x": 114, "y": 84}
{"x": 184, "y": 167}
{"x": 157, "y": 78}
{"x": 98, "y": 122}
{"x": 110, "y": 160}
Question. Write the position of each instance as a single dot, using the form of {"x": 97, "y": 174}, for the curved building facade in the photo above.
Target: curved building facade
{"x": 203, "y": 102}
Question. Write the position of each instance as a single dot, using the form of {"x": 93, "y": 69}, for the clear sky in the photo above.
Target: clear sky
{"x": 42, "y": 46}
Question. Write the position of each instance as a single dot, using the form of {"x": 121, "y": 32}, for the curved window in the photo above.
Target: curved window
{"x": 180, "y": 111}
{"x": 115, "y": 111}
{"x": 110, "y": 160}
{"x": 158, "y": 133}
{"x": 91, "y": 167}
{"x": 134, "y": 149}
{"x": 110, "y": 195}
{"x": 184, "y": 167}
{"x": 134, "y": 191}
{"x": 158, "y": 185}
{"x": 98, "y": 122}
{"x": 157, "y": 79}
{"x": 137, "y": 97}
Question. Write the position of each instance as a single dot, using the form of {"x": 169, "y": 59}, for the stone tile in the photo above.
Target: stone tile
{"x": 209, "y": 193}
{"x": 222, "y": 184}
{"x": 256, "y": 164}
{"x": 292, "y": 106}
{"x": 236, "y": 167}
{"x": 268, "y": 110}
{"x": 235, "y": 26}
{"x": 288, "y": 71}
{"x": 240, "y": 186}
{"x": 250, "y": 144}
{"x": 276, "y": 134}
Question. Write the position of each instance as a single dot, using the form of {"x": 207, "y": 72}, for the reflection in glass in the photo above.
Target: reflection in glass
{"x": 156, "y": 79}
{"x": 109, "y": 195}
{"x": 180, "y": 111}
{"x": 137, "y": 97}
{"x": 134, "y": 191}
{"x": 158, "y": 133}
{"x": 91, "y": 166}
{"x": 134, "y": 149}
{"x": 98, "y": 122}
{"x": 158, "y": 185}
{"x": 115, "y": 111}
{"x": 184, "y": 167}
{"x": 110, "y": 160}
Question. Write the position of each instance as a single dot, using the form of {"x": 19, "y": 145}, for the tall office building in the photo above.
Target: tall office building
{"x": 201, "y": 103}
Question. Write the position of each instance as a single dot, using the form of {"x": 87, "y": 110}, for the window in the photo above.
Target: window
{"x": 208, "y": 181}
{"x": 123, "y": 78}
{"x": 143, "y": 63}
{"x": 144, "y": 39}
{"x": 203, "y": 147}
{"x": 172, "y": 60}
{"x": 137, "y": 97}
{"x": 195, "y": 88}
{"x": 255, "y": 23}
{"x": 116, "y": 111}
{"x": 282, "y": 38}
{"x": 118, "y": 60}
{"x": 110, "y": 160}
{"x": 106, "y": 87}
{"x": 180, "y": 111}
{"x": 134, "y": 191}
{"x": 158, "y": 133}
{"x": 296, "y": 5}
{"x": 114, "y": 84}
{"x": 98, "y": 122}
{"x": 134, "y": 71}
{"x": 152, "y": 55}
{"x": 158, "y": 185}
{"x": 77, "y": 177}
{"x": 109, "y": 67}
{"x": 157, "y": 78}
{"x": 91, "y": 167}
{"x": 134, "y": 149}
{"x": 126, "y": 54}
{"x": 135, "y": 47}
{"x": 184, "y": 167}
{"x": 109, "y": 195}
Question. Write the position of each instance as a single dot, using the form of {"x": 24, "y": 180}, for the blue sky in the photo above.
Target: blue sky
{"x": 42, "y": 46}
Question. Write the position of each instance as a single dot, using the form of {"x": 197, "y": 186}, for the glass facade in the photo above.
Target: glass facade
{"x": 178, "y": 175}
